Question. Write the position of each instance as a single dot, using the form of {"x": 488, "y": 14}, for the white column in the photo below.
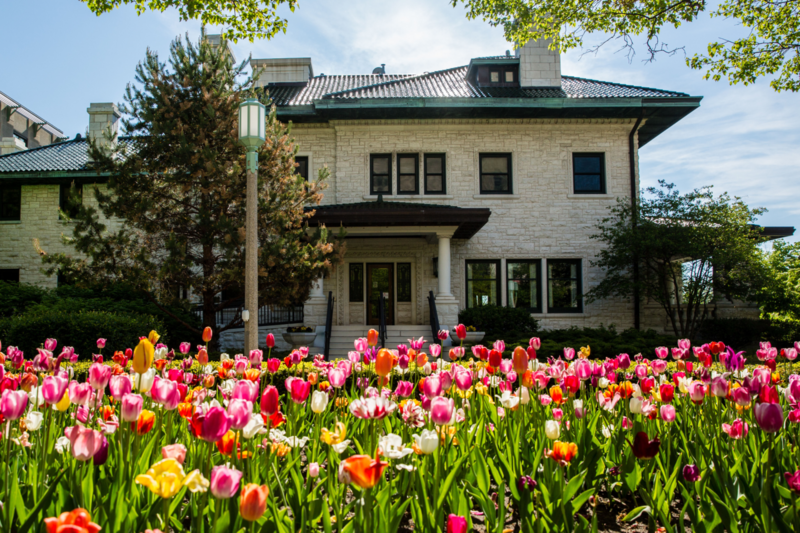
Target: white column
{"x": 316, "y": 289}
{"x": 444, "y": 265}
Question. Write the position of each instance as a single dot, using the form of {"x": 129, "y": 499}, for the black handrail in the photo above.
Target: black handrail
{"x": 268, "y": 315}
{"x": 328, "y": 326}
{"x": 434, "y": 316}
{"x": 382, "y": 325}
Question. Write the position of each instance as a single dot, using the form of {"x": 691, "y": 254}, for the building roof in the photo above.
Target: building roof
{"x": 65, "y": 156}
{"x": 30, "y": 115}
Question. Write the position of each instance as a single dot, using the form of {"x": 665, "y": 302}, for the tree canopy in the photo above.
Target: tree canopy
{"x": 245, "y": 19}
{"x": 770, "y": 46}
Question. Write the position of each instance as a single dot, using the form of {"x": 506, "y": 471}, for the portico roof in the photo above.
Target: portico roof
{"x": 389, "y": 218}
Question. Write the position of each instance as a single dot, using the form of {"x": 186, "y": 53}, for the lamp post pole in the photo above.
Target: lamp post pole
{"x": 252, "y": 134}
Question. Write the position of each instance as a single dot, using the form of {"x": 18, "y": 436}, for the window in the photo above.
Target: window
{"x": 564, "y": 286}
{"x": 380, "y": 174}
{"x": 302, "y": 166}
{"x": 10, "y": 201}
{"x": 407, "y": 174}
{"x": 523, "y": 284}
{"x": 495, "y": 173}
{"x": 494, "y": 76}
{"x": 589, "y": 173}
{"x": 65, "y": 190}
{"x": 403, "y": 282}
{"x": 435, "y": 174}
{"x": 356, "y": 282}
{"x": 483, "y": 283}
{"x": 509, "y": 76}
{"x": 9, "y": 274}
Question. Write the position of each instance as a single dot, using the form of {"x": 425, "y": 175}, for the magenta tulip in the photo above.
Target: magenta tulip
{"x": 131, "y": 407}
{"x": 13, "y": 404}
{"x": 270, "y": 341}
{"x": 463, "y": 380}
{"x": 270, "y": 400}
{"x": 50, "y": 345}
{"x": 432, "y": 386}
{"x": 101, "y": 343}
{"x": 404, "y": 389}
{"x": 300, "y": 390}
{"x": 53, "y": 388}
{"x": 213, "y": 424}
{"x": 245, "y": 390}
{"x": 793, "y": 480}
{"x": 668, "y": 413}
{"x": 456, "y": 524}
{"x": 120, "y": 386}
{"x": 624, "y": 361}
{"x": 442, "y": 410}
{"x": 166, "y": 393}
{"x": 99, "y": 375}
{"x": 225, "y": 482}
{"x": 239, "y": 411}
{"x": 769, "y": 416}
{"x": 691, "y": 473}
{"x": 84, "y": 442}
{"x": 336, "y": 378}
{"x": 101, "y": 455}
{"x": 662, "y": 352}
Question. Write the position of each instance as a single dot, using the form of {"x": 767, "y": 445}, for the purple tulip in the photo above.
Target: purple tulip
{"x": 691, "y": 473}
{"x": 769, "y": 416}
{"x": 101, "y": 455}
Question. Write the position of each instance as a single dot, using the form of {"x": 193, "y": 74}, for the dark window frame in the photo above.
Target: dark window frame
{"x": 575, "y": 173}
{"x": 579, "y": 308}
{"x": 415, "y": 157}
{"x": 443, "y": 157}
{"x": 538, "y": 262}
{"x": 63, "y": 192}
{"x": 498, "y": 281}
{"x": 399, "y": 296}
{"x": 7, "y": 214}
{"x": 372, "y": 174}
{"x": 305, "y": 159}
{"x": 352, "y": 289}
{"x": 509, "y": 172}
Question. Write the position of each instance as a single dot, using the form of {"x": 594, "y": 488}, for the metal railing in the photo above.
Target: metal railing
{"x": 434, "y": 316}
{"x": 382, "y": 323}
{"x": 268, "y": 315}
{"x": 329, "y": 325}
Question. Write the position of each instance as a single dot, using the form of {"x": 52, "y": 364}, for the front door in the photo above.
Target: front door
{"x": 380, "y": 279}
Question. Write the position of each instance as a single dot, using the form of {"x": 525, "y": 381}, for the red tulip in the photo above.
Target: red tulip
{"x": 270, "y": 400}
{"x": 643, "y": 447}
{"x": 495, "y": 357}
{"x": 77, "y": 521}
{"x": 461, "y": 331}
{"x": 253, "y": 501}
{"x": 270, "y": 340}
{"x": 207, "y": 334}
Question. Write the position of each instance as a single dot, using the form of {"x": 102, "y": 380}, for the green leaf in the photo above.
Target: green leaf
{"x": 43, "y": 502}
{"x": 636, "y": 513}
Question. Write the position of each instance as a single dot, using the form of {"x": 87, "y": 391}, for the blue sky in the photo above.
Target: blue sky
{"x": 743, "y": 140}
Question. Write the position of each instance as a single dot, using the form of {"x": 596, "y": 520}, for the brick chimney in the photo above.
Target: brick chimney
{"x": 538, "y": 65}
{"x": 103, "y": 123}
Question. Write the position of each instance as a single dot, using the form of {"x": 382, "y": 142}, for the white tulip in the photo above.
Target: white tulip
{"x": 407, "y": 468}
{"x": 254, "y": 426}
{"x": 224, "y": 357}
{"x": 34, "y": 420}
{"x": 636, "y": 405}
{"x": 607, "y": 431}
{"x": 552, "y": 429}
{"x": 427, "y": 369}
{"x": 319, "y": 401}
{"x": 602, "y": 383}
{"x": 508, "y": 400}
{"x": 295, "y": 442}
{"x": 342, "y": 446}
{"x": 428, "y": 441}
{"x": 160, "y": 353}
{"x": 62, "y": 444}
{"x": 34, "y": 395}
{"x": 524, "y": 396}
{"x": 144, "y": 382}
{"x": 392, "y": 446}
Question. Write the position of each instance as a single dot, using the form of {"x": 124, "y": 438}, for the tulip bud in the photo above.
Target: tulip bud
{"x": 552, "y": 429}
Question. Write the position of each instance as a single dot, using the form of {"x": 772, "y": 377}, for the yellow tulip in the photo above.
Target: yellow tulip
{"x": 143, "y": 355}
{"x": 166, "y": 478}
{"x": 63, "y": 404}
{"x": 153, "y": 337}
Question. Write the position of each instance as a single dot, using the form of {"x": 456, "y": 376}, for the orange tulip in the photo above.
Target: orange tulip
{"x": 253, "y": 501}
{"x": 77, "y": 521}
{"x": 527, "y": 379}
{"x": 108, "y": 412}
{"x": 563, "y": 452}
{"x": 160, "y": 364}
{"x": 520, "y": 360}
{"x": 312, "y": 378}
{"x": 384, "y": 362}
{"x": 225, "y": 444}
{"x": 145, "y": 423}
{"x": 412, "y": 355}
{"x": 422, "y": 359}
{"x": 557, "y": 395}
{"x": 153, "y": 337}
{"x": 253, "y": 374}
{"x": 372, "y": 337}
{"x": 186, "y": 410}
{"x": 207, "y": 334}
{"x": 364, "y": 471}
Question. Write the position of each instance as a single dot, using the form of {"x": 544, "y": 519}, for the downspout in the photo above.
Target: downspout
{"x": 635, "y": 218}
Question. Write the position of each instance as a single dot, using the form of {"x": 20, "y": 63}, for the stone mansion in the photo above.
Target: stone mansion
{"x": 480, "y": 183}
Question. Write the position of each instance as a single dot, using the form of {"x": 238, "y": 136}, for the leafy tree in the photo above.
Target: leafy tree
{"x": 781, "y": 296}
{"x": 245, "y": 19}
{"x": 691, "y": 249}
{"x": 771, "y": 46}
{"x": 178, "y": 186}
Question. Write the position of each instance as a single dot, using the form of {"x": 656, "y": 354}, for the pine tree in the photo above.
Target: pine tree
{"x": 177, "y": 184}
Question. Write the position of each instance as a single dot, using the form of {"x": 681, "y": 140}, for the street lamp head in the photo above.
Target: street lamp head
{"x": 252, "y": 123}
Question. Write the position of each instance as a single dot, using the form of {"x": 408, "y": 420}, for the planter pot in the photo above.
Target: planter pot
{"x": 472, "y": 338}
{"x": 298, "y": 339}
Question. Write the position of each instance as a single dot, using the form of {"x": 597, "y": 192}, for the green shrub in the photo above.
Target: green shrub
{"x": 740, "y": 333}
{"x": 782, "y": 332}
{"x": 494, "y": 319}
{"x": 16, "y": 297}
{"x": 80, "y": 330}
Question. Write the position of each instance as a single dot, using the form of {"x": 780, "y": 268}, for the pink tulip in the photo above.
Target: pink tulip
{"x": 256, "y": 357}
{"x": 662, "y": 352}
{"x": 313, "y": 470}
{"x": 442, "y": 410}
{"x": 403, "y": 361}
{"x": 245, "y": 390}
{"x": 13, "y": 404}
{"x": 101, "y": 343}
{"x": 300, "y": 390}
{"x": 442, "y": 335}
{"x": 131, "y": 407}
{"x": 184, "y": 347}
{"x": 668, "y": 413}
{"x": 240, "y": 366}
{"x": 336, "y": 378}
{"x": 463, "y": 380}
{"x": 583, "y": 369}
{"x": 432, "y": 386}
{"x": 447, "y": 380}
{"x": 569, "y": 354}
{"x": 535, "y": 343}
{"x": 225, "y": 482}
{"x": 361, "y": 344}
{"x": 119, "y": 386}
{"x": 50, "y": 345}
{"x": 737, "y": 430}
{"x": 558, "y": 413}
{"x": 53, "y": 388}
{"x": 499, "y": 345}
{"x": 684, "y": 344}
{"x": 627, "y": 423}
{"x": 239, "y": 412}
{"x": 697, "y": 391}
{"x": 740, "y": 396}
{"x": 174, "y": 451}
{"x": 84, "y": 442}
{"x": 658, "y": 366}
{"x": 270, "y": 400}
{"x": 456, "y": 524}
{"x": 99, "y": 375}
{"x": 640, "y": 371}
{"x": 719, "y": 387}
{"x": 212, "y": 424}
{"x": 624, "y": 361}
{"x": 769, "y": 416}
{"x": 404, "y": 389}
{"x": 436, "y": 350}
{"x": 166, "y": 393}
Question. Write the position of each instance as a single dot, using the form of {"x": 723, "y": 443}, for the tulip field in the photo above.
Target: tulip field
{"x": 495, "y": 439}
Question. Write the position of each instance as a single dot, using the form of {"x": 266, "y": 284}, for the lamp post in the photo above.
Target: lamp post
{"x": 252, "y": 134}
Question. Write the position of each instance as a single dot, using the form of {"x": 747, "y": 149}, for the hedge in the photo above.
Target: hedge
{"x": 80, "y": 330}
{"x": 494, "y": 320}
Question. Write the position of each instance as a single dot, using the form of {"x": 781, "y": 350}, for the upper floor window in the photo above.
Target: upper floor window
{"x": 523, "y": 284}
{"x": 564, "y": 291}
{"x": 496, "y": 76}
{"x": 483, "y": 283}
{"x": 380, "y": 174}
{"x": 70, "y": 205}
{"x": 589, "y": 173}
{"x": 435, "y": 174}
{"x": 302, "y": 166}
{"x": 495, "y": 174}
{"x": 407, "y": 173}
{"x": 10, "y": 202}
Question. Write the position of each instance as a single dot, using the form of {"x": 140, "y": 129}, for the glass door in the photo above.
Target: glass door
{"x": 380, "y": 280}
